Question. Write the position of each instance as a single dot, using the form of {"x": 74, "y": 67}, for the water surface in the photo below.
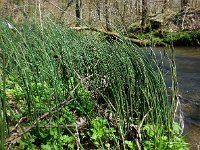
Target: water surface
{"x": 188, "y": 74}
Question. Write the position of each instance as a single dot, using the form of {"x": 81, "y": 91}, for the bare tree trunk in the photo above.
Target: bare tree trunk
{"x": 78, "y": 12}
{"x": 155, "y": 8}
{"x": 137, "y": 6}
{"x": 107, "y": 16}
{"x": 131, "y": 6}
{"x": 124, "y": 11}
{"x": 90, "y": 12}
{"x": 98, "y": 9}
{"x": 144, "y": 12}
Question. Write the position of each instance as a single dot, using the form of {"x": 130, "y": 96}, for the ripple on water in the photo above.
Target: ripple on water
{"x": 188, "y": 74}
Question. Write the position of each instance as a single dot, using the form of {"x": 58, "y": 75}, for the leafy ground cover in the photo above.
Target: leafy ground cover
{"x": 62, "y": 89}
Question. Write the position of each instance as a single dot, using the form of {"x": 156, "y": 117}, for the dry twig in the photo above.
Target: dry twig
{"x": 138, "y": 138}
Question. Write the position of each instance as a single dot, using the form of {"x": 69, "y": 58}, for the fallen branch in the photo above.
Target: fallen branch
{"x": 16, "y": 136}
{"x": 138, "y": 138}
{"x": 78, "y": 141}
{"x": 116, "y": 36}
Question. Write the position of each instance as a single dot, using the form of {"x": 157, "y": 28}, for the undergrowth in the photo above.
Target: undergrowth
{"x": 179, "y": 38}
{"x": 188, "y": 38}
{"x": 62, "y": 89}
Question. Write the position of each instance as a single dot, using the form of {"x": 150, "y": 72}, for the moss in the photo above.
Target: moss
{"x": 134, "y": 27}
{"x": 184, "y": 38}
{"x": 154, "y": 38}
{"x": 181, "y": 38}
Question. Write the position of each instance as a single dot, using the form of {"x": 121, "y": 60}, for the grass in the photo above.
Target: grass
{"x": 62, "y": 89}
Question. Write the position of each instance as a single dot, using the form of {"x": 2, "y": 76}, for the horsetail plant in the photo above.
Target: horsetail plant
{"x": 72, "y": 90}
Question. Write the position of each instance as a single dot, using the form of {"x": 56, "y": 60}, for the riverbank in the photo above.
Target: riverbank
{"x": 164, "y": 38}
{"x": 178, "y": 28}
{"x": 69, "y": 90}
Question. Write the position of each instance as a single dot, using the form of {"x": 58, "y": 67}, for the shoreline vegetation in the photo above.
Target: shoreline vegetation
{"x": 77, "y": 75}
{"x": 62, "y": 89}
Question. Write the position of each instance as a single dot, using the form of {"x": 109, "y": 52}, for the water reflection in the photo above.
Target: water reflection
{"x": 188, "y": 74}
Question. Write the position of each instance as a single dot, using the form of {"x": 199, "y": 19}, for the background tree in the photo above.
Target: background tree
{"x": 107, "y": 16}
{"x": 98, "y": 9}
{"x": 78, "y": 12}
{"x": 118, "y": 14}
{"x": 90, "y": 12}
{"x": 144, "y": 12}
{"x": 138, "y": 8}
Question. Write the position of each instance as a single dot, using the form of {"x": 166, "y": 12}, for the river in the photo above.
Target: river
{"x": 188, "y": 75}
